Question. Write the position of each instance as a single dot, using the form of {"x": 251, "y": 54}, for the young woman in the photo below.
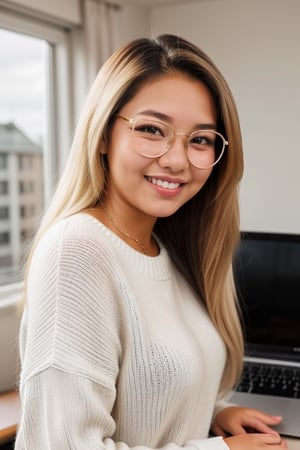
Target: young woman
{"x": 130, "y": 334}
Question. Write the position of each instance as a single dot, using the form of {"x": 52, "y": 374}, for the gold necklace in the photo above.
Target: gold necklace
{"x": 117, "y": 227}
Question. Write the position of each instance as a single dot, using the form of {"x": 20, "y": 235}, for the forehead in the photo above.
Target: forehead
{"x": 182, "y": 98}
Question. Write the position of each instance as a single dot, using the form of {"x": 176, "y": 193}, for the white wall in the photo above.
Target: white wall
{"x": 256, "y": 44}
{"x": 67, "y": 11}
{"x": 129, "y": 22}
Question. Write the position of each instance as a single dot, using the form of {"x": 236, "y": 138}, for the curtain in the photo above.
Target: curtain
{"x": 98, "y": 38}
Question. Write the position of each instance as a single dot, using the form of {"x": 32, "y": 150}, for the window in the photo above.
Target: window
{"x": 35, "y": 127}
{"x": 23, "y": 95}
{"x": 4, "y": 237}
{"x": 27, "y": 186}
{"x": 23, "y": 211}
{"x": 3, "y": 187}
{"x": 3, "y": 161}
{"x": 4, "y": 212}
{"x": 22, "y": 187}
{"x": 27, "y": 211}
{"x": 25, "y": 162}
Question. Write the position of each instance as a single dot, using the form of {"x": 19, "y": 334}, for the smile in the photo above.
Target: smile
{"x": 163, "y": 183}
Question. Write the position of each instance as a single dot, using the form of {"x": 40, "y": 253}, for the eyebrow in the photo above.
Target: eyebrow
{"x": 167, "y": 118}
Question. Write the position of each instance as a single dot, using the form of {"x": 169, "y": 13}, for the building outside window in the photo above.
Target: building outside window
{"x": 26, "y": 183}
{"x": 4, "y": 237}
{"x": 3, "y": 161}
{"x": 27, "y": 186}
{"x": 3, "y": 186}
{"x": 4, "y": 212}
{"x": 21, "y": 187}
{"x": 25, "y": 162}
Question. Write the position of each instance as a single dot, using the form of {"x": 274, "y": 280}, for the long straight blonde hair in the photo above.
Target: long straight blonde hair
{"x": 202, "y": 235}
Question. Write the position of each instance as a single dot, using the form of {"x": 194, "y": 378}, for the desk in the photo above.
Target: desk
{"x": 10, "y": 413}
{"x": 294, "y": 444}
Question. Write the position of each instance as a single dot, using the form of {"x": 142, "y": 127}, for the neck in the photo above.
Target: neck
{"x": 148, "y": 246}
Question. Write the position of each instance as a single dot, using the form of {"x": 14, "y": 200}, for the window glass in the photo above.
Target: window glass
{"x": 4, "y": 212}
{"x": 23, "y": 118}
{"x": 3, "y": 188}
{"x": 4, "y": 237}
{"x": 3, "y": 161}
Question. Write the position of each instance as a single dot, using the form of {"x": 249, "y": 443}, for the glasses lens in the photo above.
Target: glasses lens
{"x": 205, "y": 148}
{"x": 152, "y": 138}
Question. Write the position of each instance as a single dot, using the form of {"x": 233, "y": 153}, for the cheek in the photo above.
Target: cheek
{"x": 118, "y": 153}
{"x": 198, "y": 180}
{"x": 200, "y": 177}
{"x": 124, "y": 161}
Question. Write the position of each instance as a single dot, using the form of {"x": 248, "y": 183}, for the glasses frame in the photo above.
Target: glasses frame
{"x": 133, "y": 121}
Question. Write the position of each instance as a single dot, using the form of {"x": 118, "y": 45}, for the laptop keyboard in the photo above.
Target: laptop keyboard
{"x": 269, "y": 379}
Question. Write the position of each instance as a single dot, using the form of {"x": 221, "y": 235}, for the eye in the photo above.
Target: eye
{"x": 203, "y": 140}
{"x": 148, "y": 129}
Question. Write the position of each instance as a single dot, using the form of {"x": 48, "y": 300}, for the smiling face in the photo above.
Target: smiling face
{"x": 158, "y": 187}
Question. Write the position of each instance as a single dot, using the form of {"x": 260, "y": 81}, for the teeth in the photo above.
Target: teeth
{"x": 164, "y": 184}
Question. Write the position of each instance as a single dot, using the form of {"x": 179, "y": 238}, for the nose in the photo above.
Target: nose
{"x": 176, "y": 157}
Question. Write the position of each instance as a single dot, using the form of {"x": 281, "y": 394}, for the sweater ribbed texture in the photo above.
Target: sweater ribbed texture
{"x": 116, "y": 351}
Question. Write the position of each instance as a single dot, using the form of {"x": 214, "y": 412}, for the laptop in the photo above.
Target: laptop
{"x": 267, "y": 275}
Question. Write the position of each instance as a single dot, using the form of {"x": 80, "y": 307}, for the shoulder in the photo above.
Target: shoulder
{"x": 72, "y": 271}
{"x": 77, "y": 235}
{"x": 74, "y": 251}
{"x": 73, "y": 265}
{"x": 75, "y": 227}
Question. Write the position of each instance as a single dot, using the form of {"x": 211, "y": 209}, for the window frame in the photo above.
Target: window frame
{"x": 59, "y": 98}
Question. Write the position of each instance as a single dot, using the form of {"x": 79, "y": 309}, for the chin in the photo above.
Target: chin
{"x": 167, "y": 212}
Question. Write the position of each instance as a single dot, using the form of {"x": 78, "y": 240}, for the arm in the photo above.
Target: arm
{"x": 63, "y": 411}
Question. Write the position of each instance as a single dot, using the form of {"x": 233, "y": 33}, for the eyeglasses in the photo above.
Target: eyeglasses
{"x": 153, "y": 138}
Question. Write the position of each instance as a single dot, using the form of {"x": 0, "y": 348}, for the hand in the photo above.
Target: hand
{"x": 255, "y": 442}
{"x": 236, "y": 420}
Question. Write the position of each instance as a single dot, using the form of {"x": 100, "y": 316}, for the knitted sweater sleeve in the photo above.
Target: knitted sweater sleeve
{"x": 72, "y": 349}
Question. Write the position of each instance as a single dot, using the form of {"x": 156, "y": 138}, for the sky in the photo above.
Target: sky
{"x": 23, "y": 83}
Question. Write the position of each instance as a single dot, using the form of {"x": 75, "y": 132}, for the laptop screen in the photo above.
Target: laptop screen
{"x": 267, "y": 276}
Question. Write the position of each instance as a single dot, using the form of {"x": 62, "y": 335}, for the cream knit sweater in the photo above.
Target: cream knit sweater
{"x": 116, "y": 351}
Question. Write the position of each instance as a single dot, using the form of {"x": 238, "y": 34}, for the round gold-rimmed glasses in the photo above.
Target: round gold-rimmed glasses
{"x": 153, "y": 138}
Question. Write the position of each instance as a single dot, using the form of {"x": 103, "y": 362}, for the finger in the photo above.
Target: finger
{"x": 218, "y": 431}
{"x": 266, "y": 418}
{"x": 236, "y": 429}
{"x": 284, "y": 444}
{"x": 272, "y": 420}
{"x": 271, "y": 438}
{"x": 260, "y": 426}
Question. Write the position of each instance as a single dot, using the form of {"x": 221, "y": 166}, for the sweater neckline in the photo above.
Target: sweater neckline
{"x": 157, "y": 267}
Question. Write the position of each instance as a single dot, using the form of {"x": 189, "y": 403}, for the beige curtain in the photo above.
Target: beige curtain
{"x": 97, "y": 20}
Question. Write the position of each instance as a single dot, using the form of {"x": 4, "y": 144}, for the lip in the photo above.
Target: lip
{"x": 166, "y": 186}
